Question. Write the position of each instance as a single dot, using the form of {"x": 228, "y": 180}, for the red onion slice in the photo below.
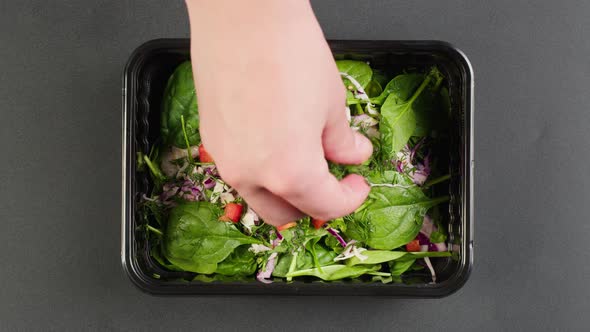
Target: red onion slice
{"x": 423, "y": 239}
{"x": 166, "y": 195}
{"x": 334, "y": 233}
{"x": 427, "y": 260}
{"x": 209, "y": 183}
{"x": 415, "y": 149}
{"x": 264, "y": 276}
{"x": 360, "y": 93}
{"x": 441, "y": 246}
{"x": 189, "y": 197}
{"x": 427, "y": 226}
{"x": 196, "y": 191}
{"x": 211, "y": 170}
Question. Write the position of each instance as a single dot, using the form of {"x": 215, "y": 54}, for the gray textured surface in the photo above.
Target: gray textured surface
{"x": 60, "y": 68}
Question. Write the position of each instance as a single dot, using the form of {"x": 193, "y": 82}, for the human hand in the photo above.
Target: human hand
{"x": 272, "y": 108}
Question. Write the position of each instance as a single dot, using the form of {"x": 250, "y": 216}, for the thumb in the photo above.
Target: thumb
{"x": 343, "y": 145}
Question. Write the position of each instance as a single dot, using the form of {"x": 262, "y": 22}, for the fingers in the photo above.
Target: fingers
{"x": 271, "y": 208}
{"x": 308, "y": 187}
{"x": 321, "y": 195}
{"x": 342, "y": 144}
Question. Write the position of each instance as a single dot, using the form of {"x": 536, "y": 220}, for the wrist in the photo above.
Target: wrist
{"x": 238, "y": 19}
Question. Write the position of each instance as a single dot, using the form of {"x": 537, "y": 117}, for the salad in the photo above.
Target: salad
{"x": 195, "y": 222}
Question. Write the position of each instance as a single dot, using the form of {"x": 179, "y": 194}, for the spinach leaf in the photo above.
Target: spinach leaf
{"x": 383, "y": 256}
{"x": 399, "y": 267}
{"x": 375, "y": 257}
{"x": 358, "y": 70}
{"x": 429, "y": 108}
{"x": 296, "y": 238}
{"x": 332, "y": 243}
{"x": 380, "y": 77}
{"x": 391, "y": 217}
{"x": 180, "y": 99}
{"x": 437, "y": 237}
{"x": 383, "y": 279}
{"x": 390, "y": 177}
{"x": 196, "y": 241}
{"x": 373, "y": 89}
{"x": 305, "y": 260}
{"x": 240, "y": 262}
{"x": 157, "y": 255}
{"x": 400, "y": 87}
{"x": 338, "y": 271}
{"x": 398, "y": 120}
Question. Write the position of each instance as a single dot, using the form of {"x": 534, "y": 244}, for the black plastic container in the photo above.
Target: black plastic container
{"x": 144, "y": 80}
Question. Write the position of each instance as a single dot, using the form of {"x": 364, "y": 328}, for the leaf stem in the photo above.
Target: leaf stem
{"x": 155, "y": 230}
{"x": 188, "y": 146}
{"x": 155, "y": 171}
{"x": 359, "y": 109}
{"x": 439, "y": 200}
{"x": 377, "y": 100}
{"x": 439, "y": 80}
{"x": 437, "y": 180}
{"x": 292, "y": 266}
{"x": 420, "y": 89}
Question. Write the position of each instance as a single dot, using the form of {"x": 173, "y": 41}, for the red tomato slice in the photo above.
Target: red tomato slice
{"x": 317, "y": 223}
{"x": 232, "y": 212}
{"x": 286, "y": 226}
{"x": 204, "y": 156}
{"x": 413, "y": 245}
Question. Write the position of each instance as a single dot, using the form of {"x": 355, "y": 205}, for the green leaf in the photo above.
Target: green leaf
{"x": 400, "y": 87}
{"x": 180, "y": 99}
{"x": 382, "y": 279}
{"x": 380, "y": 77}
{"x": 196, "y": 241}
{"x": 391, "y": 217}
{"x": 401, "y": 266}
{"x": 438, "y": 237}
{"x": 390, "y": 177}
{"x": 429, "y": 108}
{"x": 373, "y": 89}
{"x": 240, "y": 262}
{"x": 296, "y": 238}
{"x": 157, "y": 255}
{"x": 383, "y": 256}
{"x": 398, "y": 120}
{"x": 375, "y": 257}
{"x": 359, "y": 70}
{"x": 304, "y": 261}
{"x": 336, "y": 272}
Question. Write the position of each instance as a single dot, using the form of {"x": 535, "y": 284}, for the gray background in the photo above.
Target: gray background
{"x": 60, "y": 142}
